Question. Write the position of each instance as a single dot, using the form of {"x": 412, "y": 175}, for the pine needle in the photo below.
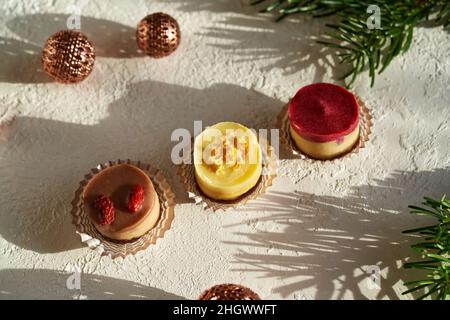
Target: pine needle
{"x": 357, "y": 45}
{"x": 435, "y": 249}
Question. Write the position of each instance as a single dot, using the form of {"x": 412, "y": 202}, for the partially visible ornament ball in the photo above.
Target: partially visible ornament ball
{"x": 229, "y": 291}
{"x": 158, "y": 35}
{"x": 68, "y": 56}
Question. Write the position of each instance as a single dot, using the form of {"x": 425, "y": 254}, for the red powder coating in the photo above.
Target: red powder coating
{"x": 323, "y": 112}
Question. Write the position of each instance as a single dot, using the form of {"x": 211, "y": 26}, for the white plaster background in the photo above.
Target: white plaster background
{"x": 309, "y": 237}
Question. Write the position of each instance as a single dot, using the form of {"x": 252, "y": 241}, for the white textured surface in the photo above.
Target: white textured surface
{"x": 311, "y": 236}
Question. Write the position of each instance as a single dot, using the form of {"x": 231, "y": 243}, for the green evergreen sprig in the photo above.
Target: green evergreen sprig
{"x": 357, "y": 45}
{"x": 435, "y": 250}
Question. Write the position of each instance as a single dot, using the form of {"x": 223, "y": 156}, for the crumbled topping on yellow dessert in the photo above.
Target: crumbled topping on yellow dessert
{"x": 226, "y": 152}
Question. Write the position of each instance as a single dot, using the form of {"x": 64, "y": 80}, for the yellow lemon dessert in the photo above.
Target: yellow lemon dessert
{"x": 227, "y": 160}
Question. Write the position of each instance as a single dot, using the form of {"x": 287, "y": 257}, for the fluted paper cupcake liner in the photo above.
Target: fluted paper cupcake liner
{"x": 269, "y": 172}
{"x": 113, "y": 248}
{"x": 365, "y": 125}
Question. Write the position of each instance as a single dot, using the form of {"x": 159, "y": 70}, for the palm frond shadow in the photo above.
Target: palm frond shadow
{"x": 253, "y": 38}
{"x": 248, "y": 36}
{"x": 327, "y": 242}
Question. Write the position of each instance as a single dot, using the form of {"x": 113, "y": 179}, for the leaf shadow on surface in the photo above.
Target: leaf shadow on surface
{"x": 289, "y": 45}
{"x": 327, "y": 242}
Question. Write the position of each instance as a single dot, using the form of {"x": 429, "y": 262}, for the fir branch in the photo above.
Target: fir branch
{"x": 357, "y": 45}
{"x": 435, "y": 249}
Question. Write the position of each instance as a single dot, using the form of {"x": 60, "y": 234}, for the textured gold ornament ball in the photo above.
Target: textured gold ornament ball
{"x": 229, "y": 291}
{"x": 68, "y": 56}
{"x": 158, "y": 35}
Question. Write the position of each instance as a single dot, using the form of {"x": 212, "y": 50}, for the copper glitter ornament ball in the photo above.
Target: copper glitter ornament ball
{"x": 68, "y": 56}
{"x": 229, "y": 292}
{"x": 158, "y": 35}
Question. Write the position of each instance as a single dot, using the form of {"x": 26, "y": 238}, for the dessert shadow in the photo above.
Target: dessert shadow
{"x": 46, "y": 284}
{"x": 111, "y": 39}
{"x": 21, "y": 55}
{"x": 21, "y": 62}
{"x": 43, "y": 161}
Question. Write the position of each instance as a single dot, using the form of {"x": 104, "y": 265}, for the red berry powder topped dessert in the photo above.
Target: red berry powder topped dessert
{"x": 324, "y": 120}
